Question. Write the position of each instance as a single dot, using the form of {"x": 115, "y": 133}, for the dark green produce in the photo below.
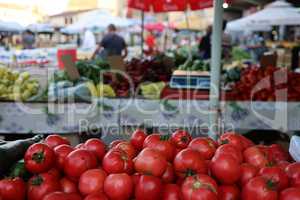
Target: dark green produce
{"x": 233, "y": 75}
{"x": 12, "y": 152}
{"x": 19, "y": 170}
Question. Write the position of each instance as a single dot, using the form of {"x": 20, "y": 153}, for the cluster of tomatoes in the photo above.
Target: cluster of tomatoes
{"x": 154, "y": 167}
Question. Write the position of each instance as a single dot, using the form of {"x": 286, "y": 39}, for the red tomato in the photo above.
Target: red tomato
{"x": 61, "y": 152}
{"x": 204, "y": 146}
{"x": 68, "y": 186}
{"x": 259, "y": 188}
{"x": 79, "y": 161}
{"x": 290, "y": 194}
{"x": 39, "y": 158}
{"x": 115, "y": 143}
{"x": 135, "y": 178}
{"x": 12, "y": 189}
{"x": 148, "y": 188}
{"x": 128, "y": 149}
{"x": 277, "y": 175}
{"x": 230, "y": 150}
{"x": 189, "y": 162}
{"x": 278, "y": 153}
{"x": 161, "y": 144}
{"x": 150, "y": 161}
{"x": 117, "y": 161}
{"x": 256, "y": 157}
{"x": 118, "y": 186}
{"x": 41, "y": 185}
{"x": 233, "y": 139}
{"x": 199, "y": 187}
{"x": 55, "y": 173}
{"x": 283, "y": 164}
{"x": 225, "y": 169}
{"x": 248, "y": 172}
{"x": 91, "y": 181}
{"x": 181, "y": 139}
{"x": 228, "y": 192}
{"x": 137, "y": 139}
{"x": 55, "y": 140}
{"x": 246, "y": 142}
{"x": 62, "y": 196}
{"x": 169, "y": 175}
{"x": 96, "y": 146}
{"x": 293, "y": 172}
{"x": 98, "y": 196}
{"x": 171, "y": 192}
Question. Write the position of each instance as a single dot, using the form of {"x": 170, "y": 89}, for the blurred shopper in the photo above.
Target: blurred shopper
{"x": 89, "y": 40}
{"x": 256, "y": 46}
{"x": 28, "y": 39}
{"x": 112, "y": 44}
{"x": 205, "y": 44}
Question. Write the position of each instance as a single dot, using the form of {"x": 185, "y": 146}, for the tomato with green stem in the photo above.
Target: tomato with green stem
{"x": 39, "y": 158}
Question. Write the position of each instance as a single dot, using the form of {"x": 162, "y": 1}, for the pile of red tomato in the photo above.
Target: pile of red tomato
{"x": 156, "y": 167}
{"x": 266, "y": 84}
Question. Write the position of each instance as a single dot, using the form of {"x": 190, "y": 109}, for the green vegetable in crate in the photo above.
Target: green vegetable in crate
{"x": 11, "y": 152}
{"x": 233, "y": 75}
{"x": 152, "y": 90}
{"x": 239, "y": 54}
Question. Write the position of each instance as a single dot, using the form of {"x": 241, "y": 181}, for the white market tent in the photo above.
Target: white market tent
{"x": 40, "y": 28}
{"x": 10, "y": 27}
{"x": 278, "y": 13}
{"x": 98, "y": 19}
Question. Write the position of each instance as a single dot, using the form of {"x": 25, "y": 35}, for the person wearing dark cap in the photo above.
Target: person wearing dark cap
{"x": 112, "y": 44}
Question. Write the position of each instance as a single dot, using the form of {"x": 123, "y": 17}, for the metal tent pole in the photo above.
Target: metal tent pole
{"x": 216, "y": 69}
{"x": 142, "y": 33}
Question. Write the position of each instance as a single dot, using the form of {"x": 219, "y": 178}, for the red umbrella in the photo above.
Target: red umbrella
{"x": 169, "y": 5}
{"x": 200, "y": 4}
{"x": 143, "y": 5}
{"x": 155, "y": 27}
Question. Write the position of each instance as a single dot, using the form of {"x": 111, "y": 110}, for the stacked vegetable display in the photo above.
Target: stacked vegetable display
{"x": 17, "y": 86}
{"x": 156, "y": 167}
{"x": 266, "y": 84}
